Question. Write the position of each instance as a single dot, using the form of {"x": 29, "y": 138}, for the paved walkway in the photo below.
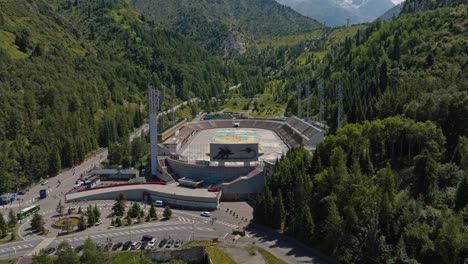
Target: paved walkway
{"x": 44, "y": 243}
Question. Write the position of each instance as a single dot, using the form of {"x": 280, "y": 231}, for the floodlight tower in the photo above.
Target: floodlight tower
{"x": 321, "y": 95}
{"x": 299, "y": 90}
{"x": 162, "y": 97}
{"x": 339, "y": 95}
{"x": 308, "y": 101}
{"x": 173, "y": 100}
{"x": 153, "y": 102}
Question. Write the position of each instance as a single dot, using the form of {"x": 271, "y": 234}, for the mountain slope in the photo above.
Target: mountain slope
{"x": 392, "y": 13}
{"x": 212, "y": 22}
{"x": 389, "y": 186}
{"x": 411, "y": 6}
{"x": 336, "y": 13}
{"x": 73, "y": 78}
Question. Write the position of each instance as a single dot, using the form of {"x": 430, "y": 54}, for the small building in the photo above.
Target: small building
{"x": 190, "y": 183}
{"x": 7, "y": 198}
{"x": 116, "y": 174}
{"x": 93, "y": 183}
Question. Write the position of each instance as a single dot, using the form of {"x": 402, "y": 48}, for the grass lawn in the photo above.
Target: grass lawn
{"x": 269, "y": 258}
{"x": 218, "y": 256}
{"x": 235, "y": 106}
{"x": 215, "y": 251}
{"x": 268, "y": 108}
{"x": 130, "y": 258}
{"x": 7, "y": 261}
{"x": 8, "y": 239}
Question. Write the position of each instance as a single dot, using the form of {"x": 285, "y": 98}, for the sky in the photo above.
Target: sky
{"x": 396, "y": 2}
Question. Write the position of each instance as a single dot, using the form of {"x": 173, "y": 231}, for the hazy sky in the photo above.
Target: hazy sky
{"x": 396, "y": 2}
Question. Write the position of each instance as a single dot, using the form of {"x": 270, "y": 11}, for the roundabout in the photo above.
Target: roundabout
{"x": 61, "y": 223}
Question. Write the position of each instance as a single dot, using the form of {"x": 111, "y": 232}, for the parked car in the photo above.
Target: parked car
{"x": 159, "y": 203}
{"x": 117, "y": 246}
{"x": 45, "y": 182}
{"x": 144, "y": 245}
{"x": 178, "y": 243}
{"x": 146, "y": 238}
{"x": 170, "y": 243}
{"x": 152, "y": 243}
{"x": 162, "y": 243}
{"x": 98, "y": 222}
{"x": 205, "y": 214}
{"x": 22, "y": 192}
{"x": 50, "y": 250}
{"x": 136, "y": 245}
{"x": 127, "y": 245}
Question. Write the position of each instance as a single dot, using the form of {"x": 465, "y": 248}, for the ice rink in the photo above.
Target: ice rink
{"x": 270, "y": 143}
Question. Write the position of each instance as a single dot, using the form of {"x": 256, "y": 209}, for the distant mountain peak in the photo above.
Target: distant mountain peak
{"x": 337, "y": 12}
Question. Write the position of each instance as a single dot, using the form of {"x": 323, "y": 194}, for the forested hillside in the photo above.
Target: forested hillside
{"x": 412, "y": 6}
{"x": 210, "y": 23}
{"x": 390, "y": 186}
{"x": 73, "y": 77}
{"x": 414, "y": 65}
{"x": 377, "y": 192}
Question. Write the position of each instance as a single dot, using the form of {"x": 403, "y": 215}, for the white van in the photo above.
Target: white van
{"x": 159, "y": 203}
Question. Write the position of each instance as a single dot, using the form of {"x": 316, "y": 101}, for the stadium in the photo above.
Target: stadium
{"x": 202, "y": 162}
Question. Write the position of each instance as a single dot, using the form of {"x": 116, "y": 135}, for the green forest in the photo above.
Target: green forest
{"x": 73, "y": 77}
{"x": 376, "y": 192}
{"x": 389, "y": 184}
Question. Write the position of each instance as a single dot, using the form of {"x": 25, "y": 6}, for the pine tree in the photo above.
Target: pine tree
{"x": 91, "y": 216}
{"x": 461, "y": 198}
{"x": 152, "y": 211}
{"x": 3, "y": 227}
{"x": 118, "y": 221}
{"x": 60, "y": 207}
{"x": 12, "y": 220}
{"x": 119, "y": 205}
{"x": 308, "y": 225}
{"x": 167, "y": 212}
{"x": 129, "y": 220}
{"x": 97, "y": 213}
{"x": 82, "y": 224}
{"x": 37, "y": 223}
{"x": 55, "y": 162}
{"x": 282, "y": 210}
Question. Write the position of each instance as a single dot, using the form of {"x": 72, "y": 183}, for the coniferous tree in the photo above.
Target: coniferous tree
{"x": 461, "y": 198}
{"x": 37, "y": 223}
{"x": 82, "y": 224}
{"x": 167, "y": 212}
{"x": 55, "y": 163}
{"x": 3, "y": 227}
{"x": 59, "y": 208}
{"x": 12, "y": 220}
{"x": 152, "y": 211}
{"x": 119, "y": 205}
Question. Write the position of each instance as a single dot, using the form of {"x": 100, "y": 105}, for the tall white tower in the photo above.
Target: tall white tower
{"x": 339, "y": 94}
{"x": 298, "y": 91}
{"x": 321, "y": 95}
{"x": 308, "y": 102}
{"x": 173, "y": 100}
{"x": 153, "y": 102}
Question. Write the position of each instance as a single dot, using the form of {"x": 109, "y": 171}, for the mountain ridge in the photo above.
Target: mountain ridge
{"x": 210, "y": 23}
{"x": 337, "y": 12}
